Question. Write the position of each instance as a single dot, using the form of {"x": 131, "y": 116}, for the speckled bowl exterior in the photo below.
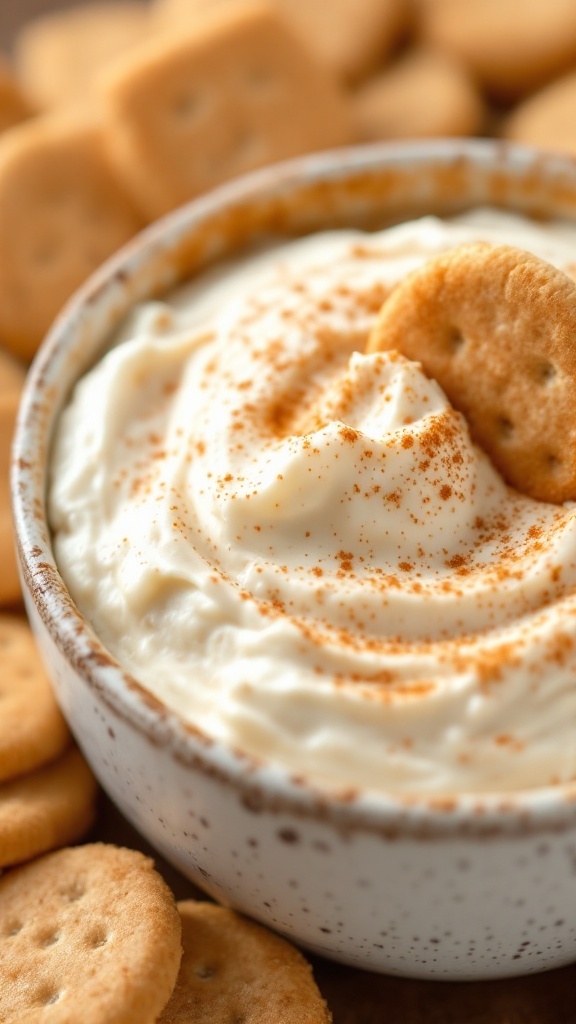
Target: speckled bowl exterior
{"x": 459, "y": 888}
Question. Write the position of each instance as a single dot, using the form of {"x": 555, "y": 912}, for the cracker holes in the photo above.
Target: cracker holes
{"x": 13, "y": 929}
{"x": 553, "y": 462}
{"x": 46, "y": 996}
{"x": 97, "y": 938}
{"x": 48, "y": 939}
{"x": 204, "y": 972}
{"x": 505, "y": 427}
{"x": 260, "y": 79}
{"x": 187, "y": 106}
{"x": 72, "y": 893}
{"x": 545, "y": 372}
{"x": 455, "y": 339}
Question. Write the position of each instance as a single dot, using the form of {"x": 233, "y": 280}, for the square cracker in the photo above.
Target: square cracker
{"x": 62, "y": 213}
{"x": 238, "y": 91}
{"x": 58, "y": 55}
{"x": 351, "y": 37}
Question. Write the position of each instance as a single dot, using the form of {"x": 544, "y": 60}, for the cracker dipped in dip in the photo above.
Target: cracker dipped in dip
{"x": 298, "y": 547}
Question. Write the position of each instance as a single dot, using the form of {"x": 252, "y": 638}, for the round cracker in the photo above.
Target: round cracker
{"x": 495, "y": 326}
{"x": 46, "y": 809}
{"x": 234, "y": 970}
{"x": 89, "y": 934}
{"x": 32, "y": 728}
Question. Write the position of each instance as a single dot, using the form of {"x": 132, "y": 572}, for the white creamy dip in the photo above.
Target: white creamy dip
{"x": 298, "y": 547}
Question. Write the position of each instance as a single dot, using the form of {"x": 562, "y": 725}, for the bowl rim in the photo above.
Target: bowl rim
{"x": 260, "y": 783}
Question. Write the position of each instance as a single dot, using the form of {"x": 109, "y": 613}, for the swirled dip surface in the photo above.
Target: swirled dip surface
{"x": 298, "y": 547}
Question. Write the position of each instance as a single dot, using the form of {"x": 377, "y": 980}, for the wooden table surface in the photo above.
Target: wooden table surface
{"x": 359, "y": 997}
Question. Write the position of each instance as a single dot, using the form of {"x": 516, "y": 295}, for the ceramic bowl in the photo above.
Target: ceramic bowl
{"x": 469, "y": 887}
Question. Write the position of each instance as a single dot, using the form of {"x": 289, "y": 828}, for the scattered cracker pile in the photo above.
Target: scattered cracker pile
{"x": 47, "y": 791}
{"x": 90, "y": 933}
{"x": 93, "y": 933}
{"x": 111, "y": 114}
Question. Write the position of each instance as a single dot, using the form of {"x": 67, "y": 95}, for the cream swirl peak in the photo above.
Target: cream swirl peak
{"x": 297, "y": 546}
